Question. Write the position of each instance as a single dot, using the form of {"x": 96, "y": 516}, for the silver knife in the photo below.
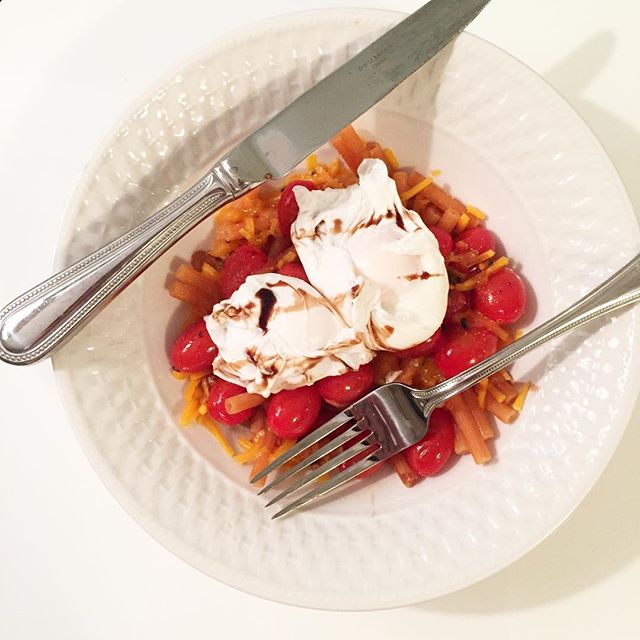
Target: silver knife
{"x": 38, "y": 322}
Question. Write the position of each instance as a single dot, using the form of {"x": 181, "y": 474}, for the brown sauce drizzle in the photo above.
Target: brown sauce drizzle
{"x": 425, "y": 275}
{"x": 267, "y": 301}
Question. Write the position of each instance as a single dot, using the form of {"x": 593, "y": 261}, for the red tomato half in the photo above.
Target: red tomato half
{"x": 344, "y": 389}
{"x": 219, "y": 391}
{"x": 502, "y": 297}
{"x": 293, "y": 414}
{"x": 462, "y": 348}
{"x": 193, "y": 351}
{"x": 431, "y": 454}
{"x": 243, "y": 262}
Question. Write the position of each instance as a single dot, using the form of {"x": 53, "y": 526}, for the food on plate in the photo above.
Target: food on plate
{"x": 347, "y": 275}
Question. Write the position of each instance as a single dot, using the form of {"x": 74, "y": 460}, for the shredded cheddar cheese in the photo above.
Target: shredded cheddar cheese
{"x": 482, "y": 392}
{"x": 476, "y": 213}
{"x": 214, "y": 430}
{"x": 518, "y": 403}
{"x": 463, "y": 221}
{"x": 471, "y": 283}
{"x": 421, "y": 186}
{"x": 391, "y": 159}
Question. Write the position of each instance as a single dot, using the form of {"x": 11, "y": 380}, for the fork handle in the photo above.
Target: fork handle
{"x": 620, "y": 290}
{"x": 39, "y": 321}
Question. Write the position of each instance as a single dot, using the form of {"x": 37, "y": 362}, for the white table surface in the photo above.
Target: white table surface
{"x": 72, "y": 563}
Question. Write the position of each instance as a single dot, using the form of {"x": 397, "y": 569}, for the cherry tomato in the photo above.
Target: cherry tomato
{"x": 344, "y": 389}
{"x": 424, "y": 348}
{"x": 219, "y": 391}
{"x": 326, "y": 413}
{"x": 243, "y": 262}
{"x": 288, "y": 208}
{"x": 456, "y": 303}
{"x": 294, "y": 270}
{"x": 477, "y": 239}
{"x": 445, "y": 241}
{"x": 194, "y": 350}
{"x": 292, "y": 414}
{"x": 463, "y": 348}
{"x": 502, "y": 297}
{"x": 431, "y": 454}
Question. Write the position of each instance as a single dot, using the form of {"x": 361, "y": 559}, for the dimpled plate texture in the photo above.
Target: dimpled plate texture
{"x": 505, "y": 141}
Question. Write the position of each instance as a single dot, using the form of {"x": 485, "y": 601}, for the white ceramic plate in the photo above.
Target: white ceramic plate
{"x": 505, "y": 142}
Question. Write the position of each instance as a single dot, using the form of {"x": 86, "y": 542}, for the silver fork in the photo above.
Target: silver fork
{"x": 394, "y": 416}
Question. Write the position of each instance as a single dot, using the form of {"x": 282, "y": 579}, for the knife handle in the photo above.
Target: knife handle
{"x": 39, "y": 321}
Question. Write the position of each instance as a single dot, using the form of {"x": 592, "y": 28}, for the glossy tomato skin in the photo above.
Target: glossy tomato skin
{"x": 288, "y": 208}
{"x": 445, "y": 241}
{"x": 502, "y": 298}
{"x": 294, "y": 270}
{"x": 477, "y": 239}
{"x": 219, "y": 391}
{"x": 423, "y": 349}
{"x": 345, "y": 389}
{"x": 193, "y": 351}
{"x": 457, "y": 302}
{"x": 462, "y": 348}
{"x": 243, "y": 262}
{"x": 294, "y": 413}
{"x": 430, "y": 456}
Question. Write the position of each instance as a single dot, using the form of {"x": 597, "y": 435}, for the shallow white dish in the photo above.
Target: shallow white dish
{"x": 505, "y": 142}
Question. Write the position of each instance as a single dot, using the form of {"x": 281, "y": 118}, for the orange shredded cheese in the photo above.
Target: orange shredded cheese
{"x": 391, "y": 159}
{"x": 414, "y": 191}
{"x": 251, "y": 455}
{"x": 496, "y": 393}
{"x": 283, "y": 448}
{"x": 312, "y": 162}
{"x": 179, "y": 375}
{"x": 288, "y": 257}
{"x": 518, "y": 403}
{"x": 482, "y": 392}
{"x": 469, "y": 284}
{"x": 209, "y": 271}
{"x": 190, "y": 390}
{"x": 492, "y": 326}
{"x": 189, "y": 414}
{"x": 476, "y": 213}
{"x": 463, "y": 221}
{"x": 214, "y": 430}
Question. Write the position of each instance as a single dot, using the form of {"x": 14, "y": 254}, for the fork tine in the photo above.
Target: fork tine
{"x": 328, "y": 466}
{"x": 324, "y": 489}
{"x": 321, "y": 432}
{"x": 338, "y": 441}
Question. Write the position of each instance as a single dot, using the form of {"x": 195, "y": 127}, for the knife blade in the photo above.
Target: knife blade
{"x": 38, "y": 322}
{"x": 336, "y": 101}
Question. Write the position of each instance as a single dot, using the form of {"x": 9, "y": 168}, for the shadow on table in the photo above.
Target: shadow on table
{"x": 603, "y": 534}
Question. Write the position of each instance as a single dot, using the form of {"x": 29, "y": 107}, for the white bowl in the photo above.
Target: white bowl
{"x": 505, "y": 142}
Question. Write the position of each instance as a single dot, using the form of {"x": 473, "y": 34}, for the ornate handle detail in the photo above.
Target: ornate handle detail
{"x": 39, "y": 321}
